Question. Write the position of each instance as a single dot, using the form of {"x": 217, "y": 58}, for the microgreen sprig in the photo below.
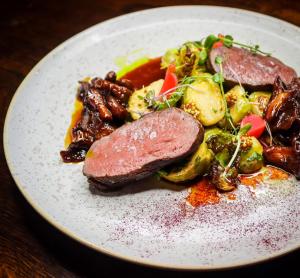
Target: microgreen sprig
{"x": 243, "y": 130}
{"x": 228, "y": 41}
{"x": 219, "y": 78}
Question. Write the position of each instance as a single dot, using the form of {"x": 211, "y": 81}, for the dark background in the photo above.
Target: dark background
{"x": 29, "y": 246}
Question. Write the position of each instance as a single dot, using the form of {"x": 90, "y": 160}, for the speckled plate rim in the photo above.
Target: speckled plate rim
{"x": 73, "y": 235}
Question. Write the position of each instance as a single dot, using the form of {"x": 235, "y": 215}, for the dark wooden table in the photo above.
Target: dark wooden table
{"x": 29, "y": 246}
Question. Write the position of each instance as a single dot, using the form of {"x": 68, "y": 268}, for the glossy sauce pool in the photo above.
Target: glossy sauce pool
{"x": 146, "y": 73}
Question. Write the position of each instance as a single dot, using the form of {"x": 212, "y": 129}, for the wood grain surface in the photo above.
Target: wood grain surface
{"x": 29, "y": 246}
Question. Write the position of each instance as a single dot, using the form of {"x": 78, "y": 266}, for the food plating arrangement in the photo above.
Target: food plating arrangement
{"x": 213, "y": 113}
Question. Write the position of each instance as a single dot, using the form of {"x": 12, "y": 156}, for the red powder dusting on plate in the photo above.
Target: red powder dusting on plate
{"x": 203, "y": 193}
{"x": 269, "y": 172}
{"x": 231, "y": 196}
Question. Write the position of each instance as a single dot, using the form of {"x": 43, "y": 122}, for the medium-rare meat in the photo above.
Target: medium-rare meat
{"x": 139, "y": 149}
{"x": 254, "y": 71}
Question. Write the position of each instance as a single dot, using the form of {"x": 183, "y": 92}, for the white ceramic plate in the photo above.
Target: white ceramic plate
{"x": 146, "y": 224}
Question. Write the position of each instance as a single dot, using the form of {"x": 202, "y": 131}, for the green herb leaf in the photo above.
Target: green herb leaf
{"x": 255, "y": 157}
{"x": 229, "y": 37}
{"x": 219, "y": 60}
{"x": 228, "y": 41}
{"x": 140, "y": 97}
{"x": 218, "y": 78}
{"x": 202, "y": 57}
{"x": 210, "y": 40}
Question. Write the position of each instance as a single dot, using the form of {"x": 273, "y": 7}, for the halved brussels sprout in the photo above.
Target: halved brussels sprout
{"x": 238, "y": 103}
{"x": 197, "y": 164}
{"x": 137, "y": 106}
{"x": 252, "y": 160}
{"x": 259, "y": 101}
{"x": 203, "y": 100}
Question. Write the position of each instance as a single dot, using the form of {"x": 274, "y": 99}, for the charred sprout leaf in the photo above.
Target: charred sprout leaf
{"x": 220, "y": 141}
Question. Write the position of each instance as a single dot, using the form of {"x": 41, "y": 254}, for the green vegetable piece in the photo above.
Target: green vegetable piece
{"x": 210, "y": 40}
{"x": 259, "y": 101}
{"x": 189, "y": 57}
{"x": 170, "y": 57}
{"x": 168, "y": 102}
{"x": 137, "y": 105}
{"x": 228, "y": 41}
{"x": 243, "y": 130}
{"x": 238, "y": 103}
{"x": 197, "y": 164}
{"x": 203, "y": 100}
{"x": 252, "y": 160}
{"x": 223, "y": 157}
{"x": 218, "y": 77}
{"x": 217, "y": 139}
{"x": 219, "y": 60}
{"x": 202, "y": 57}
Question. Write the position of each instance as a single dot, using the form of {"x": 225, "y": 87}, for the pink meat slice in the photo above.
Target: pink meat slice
{"x": 254, "y": 71}
{"x": 138, "y": 149}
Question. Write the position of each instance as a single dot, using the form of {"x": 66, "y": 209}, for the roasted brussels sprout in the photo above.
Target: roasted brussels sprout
{"x": 137, "y": 105}
{"x": 238, "y": 103}
{"x": 186, "y": 59}
{"x": 223, "y": 145}
{"x": 252, "y": 159}
{"x": 217, "y": 140}
{"x": 259, "y": 101}
{"x": 198, "y": 164}
{"x": 170, "y": 57}
{"x": 223, "y": 182}
{"x": 203, "y": 99}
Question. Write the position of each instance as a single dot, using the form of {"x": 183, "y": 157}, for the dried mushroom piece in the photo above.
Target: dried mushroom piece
{"x": 104, "y": 109}
{"x": 283, "y": 116}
